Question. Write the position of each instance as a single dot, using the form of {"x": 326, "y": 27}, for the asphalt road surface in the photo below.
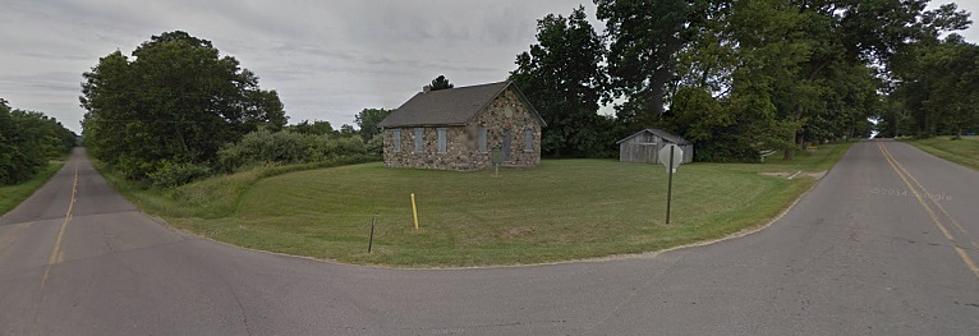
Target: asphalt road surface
{"x": 885, "y": 244}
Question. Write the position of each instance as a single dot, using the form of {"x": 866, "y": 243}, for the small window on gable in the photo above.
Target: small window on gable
{"x": 396, "y": 139}
{"x": 441, "y": 136}
{"x": 419, "y": 141}
{"x": 482, "y": 140}
{"x": 528, "y": 140}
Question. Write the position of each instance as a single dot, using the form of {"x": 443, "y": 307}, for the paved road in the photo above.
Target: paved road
{"x": 860, "y": 254}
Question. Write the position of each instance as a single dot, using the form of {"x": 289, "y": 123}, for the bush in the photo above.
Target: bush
{"x": 287, "y": 147}
{"x": 376, "y": 146}
{"x": 171, "y": 174}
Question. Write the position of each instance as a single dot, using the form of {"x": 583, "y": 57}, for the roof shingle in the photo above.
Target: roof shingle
{"x": 444, "y": 107}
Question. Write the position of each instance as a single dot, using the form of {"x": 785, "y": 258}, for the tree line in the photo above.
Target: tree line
{"x": 739, "y": 77}
{"x": 736, "y": 77}
{"x": 178, "y": 110}
{"x": 28, "y": 140}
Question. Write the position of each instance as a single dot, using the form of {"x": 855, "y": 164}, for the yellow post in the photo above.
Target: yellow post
{"x": 414, "y": 210}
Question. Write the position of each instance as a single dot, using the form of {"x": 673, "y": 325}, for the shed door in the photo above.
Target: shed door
{"x": 506, "y": 144}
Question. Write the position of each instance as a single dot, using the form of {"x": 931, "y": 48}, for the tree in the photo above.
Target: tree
{"x": 27, "y": 141}
{"x": 561, "y": 75}
{"x": 347, "y": 130}
{"x": 934, "y": 79}
{"x": 176, "y": 100}
{"x": 646, "y": 37}
{"x": 318, "y": 127}
{"x": 369, "y": 121}
{"x": 441, "y": 83}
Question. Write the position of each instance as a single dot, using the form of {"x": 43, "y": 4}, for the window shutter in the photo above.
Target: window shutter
{"x": 397, "y": 139}
{"x": 482, "y": 140}
{"x": 441, "y": 135}
{"x": 419, "y": 134}
{"x": 528, "y": 140}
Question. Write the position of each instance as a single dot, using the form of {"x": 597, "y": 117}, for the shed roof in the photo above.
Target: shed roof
{"x": 660, "y": 133}
{"x": 454, "y": 106}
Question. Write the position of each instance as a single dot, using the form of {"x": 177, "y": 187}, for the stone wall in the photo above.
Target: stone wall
{"x": 507, "y": 112}
{"x": 462, "y": 142}
{"x": 456, "y": 156}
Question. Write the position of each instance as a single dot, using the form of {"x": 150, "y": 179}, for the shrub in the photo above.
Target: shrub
{"x": 171, "y": 174}
{"x": 287, "y": 147}
{"x": 376, "y": 146}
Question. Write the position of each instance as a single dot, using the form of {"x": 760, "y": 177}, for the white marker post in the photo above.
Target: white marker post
{"x": 670, "y": 156}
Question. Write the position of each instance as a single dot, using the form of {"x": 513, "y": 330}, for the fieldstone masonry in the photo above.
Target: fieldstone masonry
{"x": 506, "y": 112}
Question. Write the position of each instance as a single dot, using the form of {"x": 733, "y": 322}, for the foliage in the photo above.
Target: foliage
{"x": 28, "y": 140}
{"x": 318, "y": 127}
{"x": 287, "y": 147}
{"x": 441, "y": 83}
{"x": 938, "y": 89}
{"x": 562, "y": 77}
{"x": 646, "y": 37}
{"x": 177, "y": 100}
{"x": 369, "y": 121}
{"x": 171, "y": 174}
{"x": 743, "y": 76}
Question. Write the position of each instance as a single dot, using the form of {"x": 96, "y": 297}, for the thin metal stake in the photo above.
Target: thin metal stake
{"x": 370, "y": 242}
{"x": 669, "y": 189}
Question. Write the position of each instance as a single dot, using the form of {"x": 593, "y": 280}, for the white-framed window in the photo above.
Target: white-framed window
{"x": 483, "y": 148}
{"x": 528, "y": 140}
{"x": 396, "y": 139}
{"x": 442, "y": 140}
{"x": 419, "y": 139}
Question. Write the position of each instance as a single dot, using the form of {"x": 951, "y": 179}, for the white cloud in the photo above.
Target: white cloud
{"x": 327, "y": 59}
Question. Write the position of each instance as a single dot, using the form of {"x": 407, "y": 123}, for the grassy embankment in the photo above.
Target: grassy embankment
{"x": 964, "y": 151}
{"x": 12, "y": 195}
{"x": 561, "y": 210}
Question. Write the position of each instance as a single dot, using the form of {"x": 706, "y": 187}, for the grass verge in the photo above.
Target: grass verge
{"x": 12, "y": 195}
{"x": 561, "y": 210}
{"x": 964, "y": 151}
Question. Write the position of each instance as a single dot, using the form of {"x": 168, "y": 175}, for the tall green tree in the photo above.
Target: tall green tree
{"x": 441, "y": 83}
{"x": 562, "y": 76}
{"x": 369, "y": 120}
{"x": 933, "y": 78}
{"x": 178, "y": 99}
{"x": 646, "y": 37}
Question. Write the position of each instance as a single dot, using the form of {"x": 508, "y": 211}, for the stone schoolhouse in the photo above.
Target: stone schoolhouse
{"x": 459, "y": 129}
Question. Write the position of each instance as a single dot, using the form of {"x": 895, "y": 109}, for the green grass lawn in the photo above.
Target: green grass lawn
{"x": 561, "y": 210}
{"x": 12, "y": 195}
{"x": 964, "y": 151}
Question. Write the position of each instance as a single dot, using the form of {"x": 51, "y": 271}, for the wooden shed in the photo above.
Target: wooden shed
{"x": 644, "y": 146}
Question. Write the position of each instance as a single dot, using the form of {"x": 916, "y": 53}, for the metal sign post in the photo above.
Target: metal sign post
{"x": 669, "y": 188}
{"x": 496, "y": 157}
{"x": 671, "y": 156}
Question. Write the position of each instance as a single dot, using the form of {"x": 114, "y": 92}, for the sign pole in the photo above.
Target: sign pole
{"x": 370, "y": 241}
{"x": 414, "y": 211}
{"x": 669, "y": 188}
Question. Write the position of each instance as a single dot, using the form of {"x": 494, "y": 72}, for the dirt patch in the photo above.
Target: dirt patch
{"x": 815, "y": 175}
{"x": 516, "y": 232}
{"x": 796, "y": 174}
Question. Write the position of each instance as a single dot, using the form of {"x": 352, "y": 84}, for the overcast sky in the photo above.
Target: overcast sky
{"x": 327, "y": 59}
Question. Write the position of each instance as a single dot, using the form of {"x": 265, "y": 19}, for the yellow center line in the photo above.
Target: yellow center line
{"x": 933, "y": 201}
{"x": 934, "y": 218}
{"x": 56, "y": 251}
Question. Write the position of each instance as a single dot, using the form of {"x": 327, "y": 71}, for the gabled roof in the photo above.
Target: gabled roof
{"x": 450, "y": 107}
{"x": 660, "y": 133}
